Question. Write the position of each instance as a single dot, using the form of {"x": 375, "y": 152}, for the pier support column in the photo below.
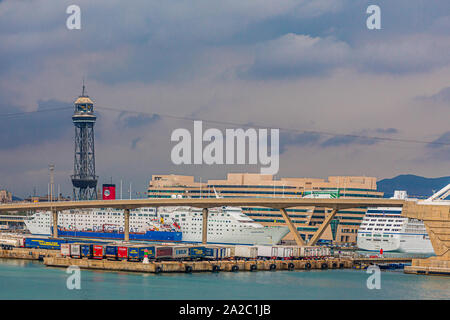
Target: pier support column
{"x": 126, "y": 225}
{"x": 292, "y": 228}
{"x": 322, "y": 228}
{"x": 55, "y": 223}
{"x": 205, "y": 226}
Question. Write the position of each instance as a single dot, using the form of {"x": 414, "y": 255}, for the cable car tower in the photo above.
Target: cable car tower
{"x": 84, "y": 180}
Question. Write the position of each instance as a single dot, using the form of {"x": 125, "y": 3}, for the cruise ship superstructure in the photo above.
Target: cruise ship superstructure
{"x": 384, "y": 228}
{"x": 225, "y": 225}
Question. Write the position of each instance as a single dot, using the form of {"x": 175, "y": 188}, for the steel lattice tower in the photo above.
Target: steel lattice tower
{"x": 84, "y": 179}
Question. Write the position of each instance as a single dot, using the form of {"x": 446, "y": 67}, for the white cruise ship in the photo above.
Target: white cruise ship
{"x": 226, "y": 225}
{"x": 385, "y": 228}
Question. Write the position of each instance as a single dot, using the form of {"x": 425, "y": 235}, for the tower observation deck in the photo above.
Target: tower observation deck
{"x": 84, "y": 180}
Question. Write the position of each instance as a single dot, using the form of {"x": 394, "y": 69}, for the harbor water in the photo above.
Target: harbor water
{"x": 20, "y": 279}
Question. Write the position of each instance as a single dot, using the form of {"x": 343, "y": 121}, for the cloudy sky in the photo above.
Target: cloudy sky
{"x": 305, "y": 65}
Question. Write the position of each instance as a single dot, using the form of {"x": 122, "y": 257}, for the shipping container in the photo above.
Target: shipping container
{"x": 180, "y": 252}
{"x": 86, "y": 250}
{"x": 137, "y": 252}
{"x": 285, "y": 252}
{"x": 316, "y": 251}
{"x": 267, "y": 251}
{"x": 133, "y": 253}
{"x": 75, "y": 250}
{"x": 14, "y": 242}
{"x": 122, "y": 253}
{"x": 147, "y": 250}
{"x": 163, "y": 252}
{"x": 325, "y": 252}
{"x": 312, "y": 252}
{"x": 306, "y": 252}
{"x": 229, "y": 251}
{"x": 197, "y": 252}
{"x": 44, "y": 243}
{"x": 211, "y": 252}
{"x": 296, "y": 251}
{"x": 215, "y": 252}
{"x": 111, "y": 252}
{"x": 98, "y": 251}
{"x": 65, "y": 249}
{"x": 22, "y": 242}
{"x": 246, "y": 251}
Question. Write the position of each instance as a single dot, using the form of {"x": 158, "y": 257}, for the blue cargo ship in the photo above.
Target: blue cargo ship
{"x": 147, "y": 236}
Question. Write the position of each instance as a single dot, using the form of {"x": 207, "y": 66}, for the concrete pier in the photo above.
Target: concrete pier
{"x": 430, "y": 266}
{"x": 199, "y": 266}
{"x": 27, "y": 254}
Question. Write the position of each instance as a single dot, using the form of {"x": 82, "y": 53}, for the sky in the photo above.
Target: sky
{"x": 308, "y": 67}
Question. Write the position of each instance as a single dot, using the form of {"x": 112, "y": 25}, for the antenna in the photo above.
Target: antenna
{"x": 52, "y": 180}
{"x": 82, "y": 93}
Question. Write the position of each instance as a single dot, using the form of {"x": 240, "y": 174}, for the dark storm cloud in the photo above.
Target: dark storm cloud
{"x": 414, "y": 38}
{"x": 386, "y": 130}
{"x": 443, "y": 96}
{"x": 135, "y": 142}
{"x": 300, "y": 140}
{"x": 296, "y": 55}
{"x": 152, "y": 41}
{"x": 338, "y": 141}
{"x": 365, "y": 137}
{"x": 439, "y": 142}
{"x": 137, "y": 120}
{"x": 440, "y": 150}
{"x": 313, "y": 139}
{"x": 51, "y": 122}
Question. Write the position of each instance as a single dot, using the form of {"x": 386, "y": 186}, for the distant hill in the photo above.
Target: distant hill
{"x": 416, "y": 186}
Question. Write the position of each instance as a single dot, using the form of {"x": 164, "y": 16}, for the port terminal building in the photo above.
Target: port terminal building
{"x": 5, "y": 196}
{"x": 343, "y": 228}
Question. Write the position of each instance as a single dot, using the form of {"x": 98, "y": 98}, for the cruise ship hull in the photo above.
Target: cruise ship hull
{"x": 266, "y": 236}
{"x": 399, "y": 243}
{"x": 147, "y": 236}
{"x": 254, "y": 236}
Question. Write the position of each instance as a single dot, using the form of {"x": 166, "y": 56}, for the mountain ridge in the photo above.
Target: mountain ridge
{"x": 416, "y": 186}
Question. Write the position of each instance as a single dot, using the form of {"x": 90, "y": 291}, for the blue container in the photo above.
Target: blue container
{"x": 214, "y": 253}
{"x": 86, "y": 250}
{"x": 150, "y": 252}
{"x": 137, "y": 253}
{"x": 111, "y": 252}
{"x": 197, "y": 252}
{"x": 42, "y": 243}
{"x": 133, "y": 253}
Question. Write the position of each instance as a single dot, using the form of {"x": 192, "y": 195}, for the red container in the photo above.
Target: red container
{"x": 98, "y": 251}
{"x": 122, "y": 253}
{"x": 163, "y": 252}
